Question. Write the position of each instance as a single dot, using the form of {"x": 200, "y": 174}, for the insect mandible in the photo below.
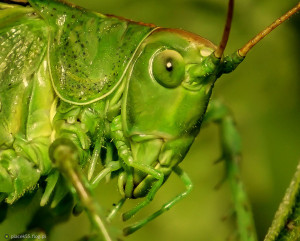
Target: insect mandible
{"x": 69, "y": 116}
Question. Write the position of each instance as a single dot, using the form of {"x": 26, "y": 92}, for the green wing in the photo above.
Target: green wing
{"x": 23, "y": 44}
{"x": 89, "y": 53}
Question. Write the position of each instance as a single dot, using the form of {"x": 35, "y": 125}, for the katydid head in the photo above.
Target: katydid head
{"x": 169, "y": 84}
{"x": 178, "y": 69}
{"x": 168, "y": 88}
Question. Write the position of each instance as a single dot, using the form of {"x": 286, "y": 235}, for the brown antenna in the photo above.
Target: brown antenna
{"x": 245, "y": 49}
{"x": 219, "y": 51}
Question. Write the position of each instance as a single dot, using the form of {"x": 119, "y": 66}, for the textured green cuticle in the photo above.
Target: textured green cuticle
{"x": 231, "y": 62}
{"x": 88, "y": 52}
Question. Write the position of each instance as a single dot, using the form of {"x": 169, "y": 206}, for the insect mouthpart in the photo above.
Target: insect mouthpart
{"x": 146, "y": 151}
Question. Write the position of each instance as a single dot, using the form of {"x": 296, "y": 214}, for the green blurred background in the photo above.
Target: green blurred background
{"x": 263, "y": 94}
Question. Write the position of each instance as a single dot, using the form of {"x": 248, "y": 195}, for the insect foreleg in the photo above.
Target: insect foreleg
{"x": 188, "y": 185}
{"x": 231, "y": 152}
{"x": 126, "y": 156}
{"x": 109, "y": 167}
{"x": 152, "y": 172}
{"x": 109, "y": 164}
{"x": 95, "y": 156}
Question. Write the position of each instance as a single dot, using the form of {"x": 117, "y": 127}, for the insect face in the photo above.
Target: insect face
{"x": 172, "y": 67}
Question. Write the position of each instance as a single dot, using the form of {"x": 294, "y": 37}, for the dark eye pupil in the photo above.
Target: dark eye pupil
{"x": 169, "y": 66}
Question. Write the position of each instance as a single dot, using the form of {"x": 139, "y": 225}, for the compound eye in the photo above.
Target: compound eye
{"x": 168, "y": 68}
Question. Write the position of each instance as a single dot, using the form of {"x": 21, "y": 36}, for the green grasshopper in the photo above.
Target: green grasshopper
{"x": 93, "y": 87}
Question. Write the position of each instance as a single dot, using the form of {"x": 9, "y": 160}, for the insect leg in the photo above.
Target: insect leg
{"x": 115, "y": 210}
{"x": 109, "y": 164}
{"x": 97, "y": 150}
{"x": 95, "y": 157}
{"x": 231, "y": 152}
{"x": 109, "y": 167}
{"x": 51, "y": 183}
{"x": 64, "y": 154}
{"x": 188, "y": 185}
{"x": 157, "y": 175}
{"x": 125, "y": 154}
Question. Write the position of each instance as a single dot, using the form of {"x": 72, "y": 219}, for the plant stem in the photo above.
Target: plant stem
{"x": 286, "y": 223}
